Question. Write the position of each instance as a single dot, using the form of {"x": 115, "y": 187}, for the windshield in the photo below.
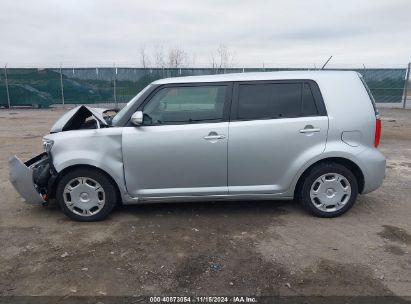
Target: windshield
{"x": 124, "y": 110}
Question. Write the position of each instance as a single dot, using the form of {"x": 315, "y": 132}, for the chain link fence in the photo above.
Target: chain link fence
{"x": 58, "y": 86}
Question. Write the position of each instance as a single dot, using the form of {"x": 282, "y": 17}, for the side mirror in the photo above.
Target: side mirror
{"x": 137, "y": 118}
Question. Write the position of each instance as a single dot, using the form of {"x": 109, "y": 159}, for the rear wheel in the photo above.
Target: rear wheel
{"x": 86, "y": 195}
{"x": 328, "y": 190}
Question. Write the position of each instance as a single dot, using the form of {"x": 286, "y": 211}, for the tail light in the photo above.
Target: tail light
{"x": 377, "y": 131}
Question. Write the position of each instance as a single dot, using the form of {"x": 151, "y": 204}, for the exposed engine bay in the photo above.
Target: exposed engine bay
{"x": 84, "y": 117}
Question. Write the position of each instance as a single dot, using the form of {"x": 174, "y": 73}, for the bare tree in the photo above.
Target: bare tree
{"x": 144, "y": 58}
{"x": 177, "y": 58}
{"x": 222, "y": 58}
{"x": 158, "y": 57}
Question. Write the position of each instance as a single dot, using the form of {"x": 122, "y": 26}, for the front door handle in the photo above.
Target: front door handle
{"x": 211, "y": 137}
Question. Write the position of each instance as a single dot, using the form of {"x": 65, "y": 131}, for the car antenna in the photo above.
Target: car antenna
{"x": 326, "y": 62}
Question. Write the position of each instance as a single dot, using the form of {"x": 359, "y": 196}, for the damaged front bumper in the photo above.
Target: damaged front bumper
{"x": 30, "y": 178}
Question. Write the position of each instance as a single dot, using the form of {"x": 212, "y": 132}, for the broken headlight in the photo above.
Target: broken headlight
{"x": 47, "y": 144}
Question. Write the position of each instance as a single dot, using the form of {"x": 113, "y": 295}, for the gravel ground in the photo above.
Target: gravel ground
{"x": 236, "y": 248}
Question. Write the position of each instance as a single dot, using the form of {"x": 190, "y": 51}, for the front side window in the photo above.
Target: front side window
{"x": 192, "y": 104}
{"x": 275, "y": 100}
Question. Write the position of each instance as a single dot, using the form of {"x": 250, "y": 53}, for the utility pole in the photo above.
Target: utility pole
{"x": 407, "y": 81}
{"x": 62, "y": 87}
{"x": 114, "y": 85}
{"x": 7, "y": 86}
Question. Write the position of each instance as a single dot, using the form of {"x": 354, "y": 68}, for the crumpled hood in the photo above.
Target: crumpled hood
{"x": 77, "y": 116}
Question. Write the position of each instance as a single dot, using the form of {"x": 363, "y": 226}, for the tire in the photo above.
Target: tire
{"x": 86, "y": 195}
{"x": 328, "y": 190}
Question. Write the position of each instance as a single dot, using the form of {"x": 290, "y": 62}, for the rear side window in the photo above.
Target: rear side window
{"x": 268, "y": 100}
{"x": 276, "y": 100}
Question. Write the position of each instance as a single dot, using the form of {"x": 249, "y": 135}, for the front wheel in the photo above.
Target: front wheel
{"x": 86, "y": 195}
{"x": 328, "y": 190}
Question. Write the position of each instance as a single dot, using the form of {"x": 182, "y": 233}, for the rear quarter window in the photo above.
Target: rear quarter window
{"x": 309, "y": 108}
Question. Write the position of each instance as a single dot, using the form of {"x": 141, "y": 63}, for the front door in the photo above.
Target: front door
{"x": 181, "y": 148}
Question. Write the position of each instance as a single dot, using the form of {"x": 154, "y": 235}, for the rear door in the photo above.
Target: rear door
{"x": 275, "y": 128}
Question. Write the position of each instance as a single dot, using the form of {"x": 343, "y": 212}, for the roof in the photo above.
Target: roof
{"x": 313, "y": 75}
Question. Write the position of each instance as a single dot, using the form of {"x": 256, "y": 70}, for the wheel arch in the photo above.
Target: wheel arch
{"x": 349, "y": 164}
{"x": 56, "y": 180}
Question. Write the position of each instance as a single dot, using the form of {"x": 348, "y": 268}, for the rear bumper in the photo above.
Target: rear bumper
{"x": 21, "y": 177}
{"x": 373, "y": 167}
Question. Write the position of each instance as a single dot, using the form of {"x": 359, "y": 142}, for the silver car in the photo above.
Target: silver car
{"x": 305, "y": 135}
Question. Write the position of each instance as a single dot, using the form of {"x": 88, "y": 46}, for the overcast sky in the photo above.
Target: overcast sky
{"x": 273, "y": 33}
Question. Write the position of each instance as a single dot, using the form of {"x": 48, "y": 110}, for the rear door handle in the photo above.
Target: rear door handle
{"x": 310, "y": 130}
